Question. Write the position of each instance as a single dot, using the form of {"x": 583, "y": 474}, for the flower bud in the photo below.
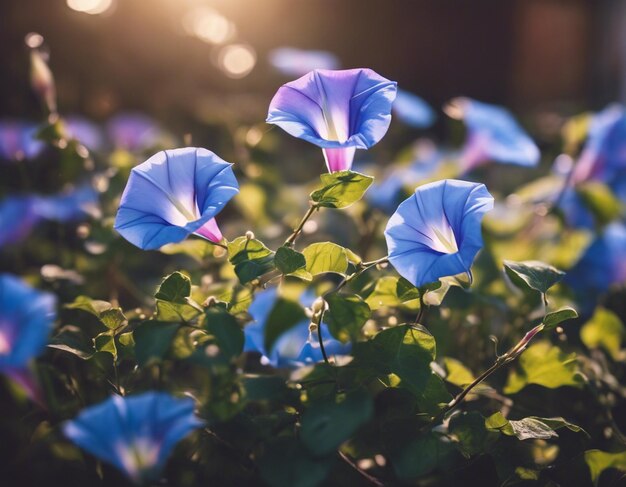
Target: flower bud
{"x": 42, "y": 81}
{"x": 318, "y": 305}
{"x": 249, "y": 235}
{"x": 312, "y": 327}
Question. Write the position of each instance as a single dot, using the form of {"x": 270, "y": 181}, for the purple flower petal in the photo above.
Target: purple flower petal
{"x": 298, "y": 62}
{"x": 18, "y": 140}
{"x": 412, "y": 110}
{"x": 133, "y": 132}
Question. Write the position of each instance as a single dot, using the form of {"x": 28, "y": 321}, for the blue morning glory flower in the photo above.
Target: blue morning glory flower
{"x": 133, "y": 132}
{"x": 493, "y": 135}
{"x": 18, "y": 140}
{"x": 26, "y": 319}
{"x": 136, "y": 434}
{"x": 85, "y": 132}
{"x": 603, "y": 264}
{"x": 339, "y": 111}
{"x": 604, "y": 154}
{"x": 20, "y": 214}
{"x": 173, "y": 194}
{"x": 296, "y": 346}
{"x": 437, "y": 231}
{"x": 412, "y": 110}
{"x": 298, "y": 62}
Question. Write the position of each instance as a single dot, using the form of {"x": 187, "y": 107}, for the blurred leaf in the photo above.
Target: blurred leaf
{"x": 327, "y": 424}
{"x": 284, "y": 315}
{"x": 434, "y": 396}
{"x": 421, "y": 456}
{"x": 175, "y": 288}
{"x": 603, "y": 330}
{"x": 250, "y": 257}
{"x": 599, "y": 198}
{"x": 598, "y": 461}
{"x": 196, "y": 248}
{"x": 458, "y": 374}
{"x": 341, "y": 189}
{"x": 109, "y": 316}
{"x": 574, "y": 131}
{"x": 352, "y": 257}
{"x": 545, "y": 365}
{"x": 265, "y": 388}
{"x": 105, "y": 342}
{"x": 471, "y": 434}
{"x": 227, "y": 332}
{"x": 287, "y": 463}
{"x": 72, "y": 340}
{"x": 346, "y": 315}
{"x": 288, "y": 260}
{"x": 251, "y": 201}
{"x": 325, "y": 257}
{"x": 403, "y": 350}
{"x": 555, "y": 318}
{"x": 391, "y": 292}
{"x": 529, "y": 428}
{"x": 407, "y": 291}
{"x": 153, "y": 340}
{"x": 537, "y": 275}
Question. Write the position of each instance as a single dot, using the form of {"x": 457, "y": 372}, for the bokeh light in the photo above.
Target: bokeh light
{"x": 237, "y": 60}
{"x": 92, "y": 7}
{"x": 208, "y": 25}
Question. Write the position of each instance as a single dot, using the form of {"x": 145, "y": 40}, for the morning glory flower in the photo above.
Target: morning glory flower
{"x": 603, "y": 264}
{"x": 19, "y": 215}
{"x": 298, "y": 62}
{"x": 173, "y": 194}
{"x": 339, "y": 111}
{"x": 85, "y": 132}
{"x": 493, "y": 135}
{"x": 136, "y": 434}
{"x": 295, "y": 347}
{"x": 604, "y": 154}
{"x": 26, "y": 318}
{"x": 437, "y": 231}
{"x": 18, "y": 140}
{"x": 412, "y": 110}
{"x": 133, "y": 132}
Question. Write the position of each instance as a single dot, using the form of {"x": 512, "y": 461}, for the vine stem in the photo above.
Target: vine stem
{"x": 373, "y": 480}
{"x": 319, "y": 336}
{"x": 292, "y": 238}
{"x": 501, "y": 361}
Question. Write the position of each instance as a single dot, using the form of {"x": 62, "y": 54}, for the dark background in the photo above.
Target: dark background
{"x": 527, "y": 54}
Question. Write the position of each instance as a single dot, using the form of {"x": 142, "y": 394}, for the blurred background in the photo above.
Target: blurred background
{"x": 198, "y": 64}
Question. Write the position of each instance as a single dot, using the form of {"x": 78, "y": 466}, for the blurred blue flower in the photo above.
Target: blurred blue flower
{"x": 133, "y": 132}
{"x": 136, "y": 434}
{"x": 85, "y": 132}
{"x": 293, "y": 348}
{"x": 437, "y": 231}
{"x": 339, "y": 111}
{"x": 412, "y": 110}
{"x": 173, "y": 194}
{"x": 493, "y": 135}
{"x": 602, "y": 265}
{"x": 18, "y": 140}
{"x": 604, "y": 154}
{"x": 20, "y": 214}
{"x": 298, "y": 62}
{"x": 26, "y": 319}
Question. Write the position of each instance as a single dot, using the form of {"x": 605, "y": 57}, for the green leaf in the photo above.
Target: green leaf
{"x": 391, "y": 292}
{"x": 112, "y": 318}
{"x": 327, "y": 424}
{"x": 421, "y": 456}
{"x": 153, "y": 340}
{"x": 109, "y": 316}
{"x": 346, "y": 316}
{"x": 325, "y": 257}
{"x": 599, "y": 198}
{"x": 529, "y": 428}
{"x": 458, "y": 374}
{"x": 284, "y": 315}
{"x": 288, "y": 260}
{"x": 227, "y": 332}
{"x": 545, "y": 365}
{"x": 537, "y": 275}
{"x": 598, "y": 461}
{"x": 175, "y": 288}
{"x": 168, "y": 311}
{"x": 555, "y": 318}
{"x": 403, "y": 350}
{"x": 196, "y": 248}
{"x": 471, "y": 434}
{"x": 341, "y": 189}
{"x": 250, "y": 257}
{"x": 71, "y": 339}
{"x": 105, "y": 342}
{"x": 604, "y": 330}
{"x": 407, "y": 291}
{"x": 286, "y": 462}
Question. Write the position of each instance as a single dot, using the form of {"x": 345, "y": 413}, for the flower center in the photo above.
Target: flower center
{"x": 5, "y": 345}
{"x": 444, "y": 241}
{"x": 142, "y": 454}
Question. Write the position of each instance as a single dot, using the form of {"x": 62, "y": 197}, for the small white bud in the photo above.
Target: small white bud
{"x": 249, "y": 235}
{"x": 318, "y": 305}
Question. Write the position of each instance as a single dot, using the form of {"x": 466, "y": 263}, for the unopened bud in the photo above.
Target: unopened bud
{"x": 249, "y": 235}
{"x": 318, "y": 305}
{"x": 42, "y": 81}
{"x": 210, "y": 301}
{"x": 312, "y": 327}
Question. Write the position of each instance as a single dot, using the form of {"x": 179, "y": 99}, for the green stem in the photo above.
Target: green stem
{"x": 319, "y": 336}
{"x": 292, "y": 238}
